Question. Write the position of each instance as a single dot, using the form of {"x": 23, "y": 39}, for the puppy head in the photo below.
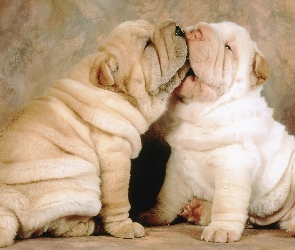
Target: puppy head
{"x": 224, "y": 60}
{"x": 142, "y": 62}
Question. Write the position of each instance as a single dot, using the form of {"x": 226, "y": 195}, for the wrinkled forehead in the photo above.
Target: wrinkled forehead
{"x": 231, "y": 32}
{"x": 139, "y": 28}
{"x": 122, "y": 41}
{"x": 124, "y": 36}
{"x": 227, "y": 30}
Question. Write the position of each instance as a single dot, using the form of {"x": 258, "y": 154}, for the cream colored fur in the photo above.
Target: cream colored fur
{"x": 65, "y": 157}
{"x": 226, "y": 146}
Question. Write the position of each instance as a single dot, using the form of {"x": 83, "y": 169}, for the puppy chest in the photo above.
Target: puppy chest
{"x": 197, "y": 173}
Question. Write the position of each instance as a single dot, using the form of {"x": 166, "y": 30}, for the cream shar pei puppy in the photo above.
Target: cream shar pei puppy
{"x": 65, "y": 157}
{"x": 226, "y": 146}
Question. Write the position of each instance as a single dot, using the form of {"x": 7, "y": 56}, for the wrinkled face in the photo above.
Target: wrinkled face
{"x": 223, "y": 58}
{"x": 141, "y": 61}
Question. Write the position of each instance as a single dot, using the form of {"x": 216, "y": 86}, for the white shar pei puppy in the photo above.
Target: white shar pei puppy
{"x": 226, "y": 146}
{"x": 65, "y": 157}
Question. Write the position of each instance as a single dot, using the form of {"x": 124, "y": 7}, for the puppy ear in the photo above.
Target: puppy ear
{"x": 260, "y": 69}
{"x": 101, "y": 73}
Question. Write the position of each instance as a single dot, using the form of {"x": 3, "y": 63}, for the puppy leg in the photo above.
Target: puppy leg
{"x": 115, "y": 166}
{"x": 115, "y": 210}
{"x": 72, "y": 226}
{"x": 197, "y": 212}
{"x": 233, "y": 168}
{"x": 173, "y": 195}
{"x": 8, "y": 227}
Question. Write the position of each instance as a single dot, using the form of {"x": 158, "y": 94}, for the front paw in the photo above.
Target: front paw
{"x": 6, "y": 238}
{"x": 197, "y": 212}
{"x": 151, "y": 218}
{"x": 129, "y": 231}
{"x": 220, "y": 232}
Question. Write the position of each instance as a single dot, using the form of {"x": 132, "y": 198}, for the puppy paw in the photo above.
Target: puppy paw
{"x": 289, "y": 225}
{"x": 220, "y": 234}
{"x": 130, "y": 231}
{"x": 291, "y": 230}
{"x": 8, "y": 227}
{"x": 150, "y": 218}
{"x": 6, "y": 239}
{"x": 197, "y": 212}
{"x": 72, "y": 226}
{"x": 83, "y": 228}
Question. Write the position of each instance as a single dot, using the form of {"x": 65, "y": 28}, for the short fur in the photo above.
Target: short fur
{"x": 226, "y": 146}
{"x": 65, "y": 157}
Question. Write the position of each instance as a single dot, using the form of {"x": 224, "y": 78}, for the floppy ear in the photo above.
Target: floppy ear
{"x": 101, "y": 72}
{"x": 260, "y": 69}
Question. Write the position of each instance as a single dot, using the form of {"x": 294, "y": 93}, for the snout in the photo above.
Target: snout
{"x": 171, "y": 46}
{"x": 199, "y": 32}
{"x": 193, "y": 35}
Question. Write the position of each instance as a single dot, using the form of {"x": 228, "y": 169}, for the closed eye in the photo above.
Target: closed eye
{"x": 148, "y": 42}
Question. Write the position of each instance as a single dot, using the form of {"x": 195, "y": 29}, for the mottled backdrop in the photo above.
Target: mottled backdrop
{"x": 41, "y": 39}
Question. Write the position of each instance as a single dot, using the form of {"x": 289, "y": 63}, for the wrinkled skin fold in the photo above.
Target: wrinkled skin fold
{"x": 65, "y": 157}
{"x": 226, "y": 147}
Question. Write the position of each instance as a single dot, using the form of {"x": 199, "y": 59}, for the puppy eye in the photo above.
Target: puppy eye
{"x": 147, "y": 43}
{"x": 228, "y": 47}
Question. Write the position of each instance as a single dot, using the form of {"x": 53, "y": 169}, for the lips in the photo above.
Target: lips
{"x": 191, "y": 76}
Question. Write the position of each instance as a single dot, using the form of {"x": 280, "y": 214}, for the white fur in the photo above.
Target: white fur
{"x": 227, "y": 149}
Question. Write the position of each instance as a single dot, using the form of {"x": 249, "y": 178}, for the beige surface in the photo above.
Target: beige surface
{"x": 181, "y": 236}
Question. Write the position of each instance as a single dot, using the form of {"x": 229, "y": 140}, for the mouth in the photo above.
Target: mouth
{"x": 191, "y": 75}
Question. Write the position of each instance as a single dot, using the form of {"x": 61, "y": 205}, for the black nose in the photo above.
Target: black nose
{"x": 179, "y": 32}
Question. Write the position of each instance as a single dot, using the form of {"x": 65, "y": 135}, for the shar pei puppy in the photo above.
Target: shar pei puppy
{"x": 65, "y": 157}
{"x": 226, "y": 146}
